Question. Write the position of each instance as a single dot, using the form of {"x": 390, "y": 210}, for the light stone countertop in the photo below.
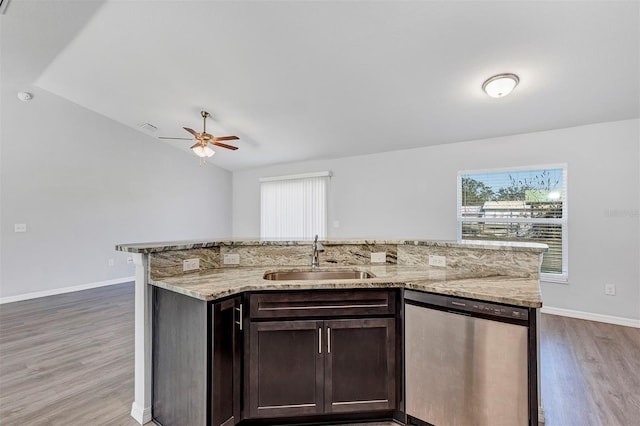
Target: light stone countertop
{"x": 157, "y": 247}
{"x": 219, "y": 283}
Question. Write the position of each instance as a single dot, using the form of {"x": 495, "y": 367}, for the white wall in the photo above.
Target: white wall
{"x": 412, "y": 194}
{"x": 83, "y": 183}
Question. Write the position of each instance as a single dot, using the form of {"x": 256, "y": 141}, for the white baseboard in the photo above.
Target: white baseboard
{"x": 140, "y": 414}
{"x": 62, "y": 290}
{"x": 627, "y": 322}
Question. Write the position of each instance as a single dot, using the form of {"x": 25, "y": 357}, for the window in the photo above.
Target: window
{"x": 523, "y": 205}
{"x": 294, "y": 207}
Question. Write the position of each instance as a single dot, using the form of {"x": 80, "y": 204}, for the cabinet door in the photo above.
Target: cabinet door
{"x": 226, "y": 362}
{"x": 285, "y": 368}
{"x": 360, "y": 365}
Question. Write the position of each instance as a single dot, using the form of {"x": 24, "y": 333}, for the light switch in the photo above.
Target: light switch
{"x": 20, "y": 227}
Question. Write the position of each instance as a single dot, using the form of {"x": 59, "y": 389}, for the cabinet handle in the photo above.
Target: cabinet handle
{"x": 239, "y": 322}
{"x": 319, "y": 340}
{"x": 328, "y": 340}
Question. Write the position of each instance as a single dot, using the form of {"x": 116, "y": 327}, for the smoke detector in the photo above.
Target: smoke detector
{"x": 25, "y": 96}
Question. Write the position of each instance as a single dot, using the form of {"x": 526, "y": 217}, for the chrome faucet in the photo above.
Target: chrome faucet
{"x": 317, "y": 249}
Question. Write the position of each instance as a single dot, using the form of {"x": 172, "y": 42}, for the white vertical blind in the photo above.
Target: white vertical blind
{"x": 294, "y": 207}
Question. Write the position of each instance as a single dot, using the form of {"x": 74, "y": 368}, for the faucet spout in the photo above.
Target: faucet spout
{"x": 317, "y": 249}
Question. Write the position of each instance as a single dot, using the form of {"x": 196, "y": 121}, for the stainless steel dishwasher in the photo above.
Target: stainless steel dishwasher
{"x": 467, "y": 362}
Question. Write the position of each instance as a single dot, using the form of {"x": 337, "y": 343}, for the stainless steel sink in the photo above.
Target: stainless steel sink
{"x": 318, "y": 275}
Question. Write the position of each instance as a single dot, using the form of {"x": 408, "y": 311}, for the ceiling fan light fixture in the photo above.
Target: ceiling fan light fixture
{"x": 203, "y": 151}
{"x": 500, "y": 85}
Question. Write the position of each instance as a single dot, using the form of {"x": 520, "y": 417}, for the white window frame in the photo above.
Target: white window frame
{"x": 562, "y": 277}
{"x": 321, "y": 225}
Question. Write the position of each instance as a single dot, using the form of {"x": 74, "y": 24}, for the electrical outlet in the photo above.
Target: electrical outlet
{"x": 231, "y": 259}
{"x": 190, "y": 264}
{"x": 610, "y": 289}
{"x": 380, "y": 257}
{"x": 20, "y": 227}
{"x": 111, "y": 262}
{"x": 129, "y": 259}
{"x": 440, "y": 261}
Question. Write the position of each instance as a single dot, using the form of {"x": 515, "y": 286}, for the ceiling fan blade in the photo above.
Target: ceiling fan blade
{"x": 226, "y": 138}
{"x": 223, "y": 145}
{"x": 193, "y": 132}
{"x": 182, "y": 139}
{"x": 198, "y": 144}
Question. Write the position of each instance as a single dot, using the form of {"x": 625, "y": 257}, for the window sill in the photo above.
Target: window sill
{"x": 554, "y": 278}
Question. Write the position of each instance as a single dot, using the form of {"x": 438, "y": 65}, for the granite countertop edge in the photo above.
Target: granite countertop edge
{"x": 157, "y": 247}
{"x": 218, "y": 284}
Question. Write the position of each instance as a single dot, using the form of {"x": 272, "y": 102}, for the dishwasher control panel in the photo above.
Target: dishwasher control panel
{"x": 468, "y": 306}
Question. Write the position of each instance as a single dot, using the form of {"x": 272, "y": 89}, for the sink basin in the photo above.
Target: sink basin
{"x": 318, "y": 275}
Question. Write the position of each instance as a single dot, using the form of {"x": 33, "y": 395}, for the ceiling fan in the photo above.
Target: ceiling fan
{"x": 201, "y": 148}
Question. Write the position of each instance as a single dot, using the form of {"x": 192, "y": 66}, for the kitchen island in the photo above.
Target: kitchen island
{"x": 230, "y": 272}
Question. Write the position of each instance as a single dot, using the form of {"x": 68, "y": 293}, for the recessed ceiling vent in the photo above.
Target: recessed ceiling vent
{"x": 3, "y": 6}
{"x": 148, "y": 127}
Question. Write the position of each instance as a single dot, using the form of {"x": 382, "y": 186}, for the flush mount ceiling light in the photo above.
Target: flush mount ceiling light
{"x": 500, "y": 85}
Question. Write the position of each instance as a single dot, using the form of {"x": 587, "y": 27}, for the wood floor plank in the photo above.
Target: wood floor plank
{"x": 68, "y": 360}
{"x": 590, "y": 373}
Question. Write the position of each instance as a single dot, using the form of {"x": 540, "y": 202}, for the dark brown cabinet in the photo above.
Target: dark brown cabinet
{"x": 286, "y": 367}
{"x": 310, "y": 355}
{"x": 336, "y": 361}
{"x": 360, "y": 365}
{"x": 226, "y": 362}
{"x": 197, "y": 355}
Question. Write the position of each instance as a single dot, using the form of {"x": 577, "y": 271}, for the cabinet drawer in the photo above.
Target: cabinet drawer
{"x": 322, "y": 303}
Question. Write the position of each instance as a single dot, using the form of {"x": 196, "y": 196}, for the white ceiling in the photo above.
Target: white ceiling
{"x": 299, "y": 80}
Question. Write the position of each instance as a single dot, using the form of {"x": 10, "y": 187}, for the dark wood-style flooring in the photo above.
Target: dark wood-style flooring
{"x": 68, "y": 360}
